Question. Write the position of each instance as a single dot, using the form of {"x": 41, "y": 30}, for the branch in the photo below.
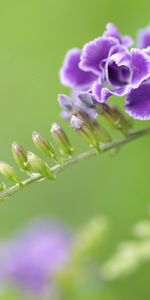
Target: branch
{"x": 75, "y": 159}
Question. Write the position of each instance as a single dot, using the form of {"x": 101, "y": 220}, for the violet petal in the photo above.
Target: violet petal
{"x": 138, "y": 102}
{"x": 71, "y": 74}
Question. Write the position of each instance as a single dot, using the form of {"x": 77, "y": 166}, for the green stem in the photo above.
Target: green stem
{"x": 75, "y": 159}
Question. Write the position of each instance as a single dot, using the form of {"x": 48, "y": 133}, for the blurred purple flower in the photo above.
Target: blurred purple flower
{"x": 31, "y": 260}
{"x": 112, "y": 31}
{"x": 143, "y": 39}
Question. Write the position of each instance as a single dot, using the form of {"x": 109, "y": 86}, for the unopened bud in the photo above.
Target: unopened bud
{"x": 109, "y": 114}
{"x": 87, "y": 99}
{"x": 65, "y": 102}
{"x": 101, "y": 133}
{"x": 61, "y": 139}
{"x": 86, "y": 131}
{"x": 125, "y": 123}
{"x": 9, "y": 172}
{"x": 76, "y": 123}
{"x": 43, "y": 145}
{"x": 39, "y": 166}
{"x": 20, "y": 156}
{"x": 114, "y": 117}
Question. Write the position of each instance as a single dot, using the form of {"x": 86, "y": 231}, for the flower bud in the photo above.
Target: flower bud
{"x": 43, "y": 145}
{"x": 9, "y": 172}
{"x": 115, "y": 118}
{"x": 20, "y": 156}
{"x": 101, "y": 133}
{"x": 39, "y": 166}
{"x": 65, "y": 102}
{"x": 109, "y": 114}
{"x": 86, "y": 131}
{"x": 61, "y": 139}
{"x": 124, "y": 122}
{"x": 87, "y": 99}
{"x": 76, "y": 123}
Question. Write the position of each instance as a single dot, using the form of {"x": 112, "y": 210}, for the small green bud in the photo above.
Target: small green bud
{"x": 61, "y": 139}
{"x": 43, "y": 145}
{"x": 9, "y": 172}
{"x": 106, "y": 111}
{"x": 125, "y": 124}
{"x": 39, "y": 166}
{"x": 101, "y": 133}
{"x": 86, "y": 131}
{"x": 114, "y": 117}
{"x": 20, "y": 156}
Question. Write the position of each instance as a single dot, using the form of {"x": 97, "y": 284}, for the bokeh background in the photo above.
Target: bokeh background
{"x": 34, "y": 36}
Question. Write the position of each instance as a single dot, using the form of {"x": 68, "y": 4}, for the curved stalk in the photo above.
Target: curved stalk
{"x": 75, "y": 159}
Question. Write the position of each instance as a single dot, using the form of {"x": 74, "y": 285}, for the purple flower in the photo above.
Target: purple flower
{"x": 106, "y": 67}
{"x": 82, "y": 67}
{"x": 95, "y": 53}
{"x": 125, "y": 72}
{"x": 118, "y": 69}
{"x": 143, "y": 40}
{"x": 112, "y": 31}
{"x": 72, "y": 75}
{"x": 31, "y": 260}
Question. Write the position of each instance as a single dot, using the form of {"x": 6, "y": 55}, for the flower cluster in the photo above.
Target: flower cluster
{"x": 105, "y": 67}
{"x": 108, "y": 66}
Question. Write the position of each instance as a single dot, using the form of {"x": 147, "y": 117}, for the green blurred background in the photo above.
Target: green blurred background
{"x": 34, "y": 36}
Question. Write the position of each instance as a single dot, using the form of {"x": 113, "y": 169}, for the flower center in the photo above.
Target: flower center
{"x": 118, "y": 75}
